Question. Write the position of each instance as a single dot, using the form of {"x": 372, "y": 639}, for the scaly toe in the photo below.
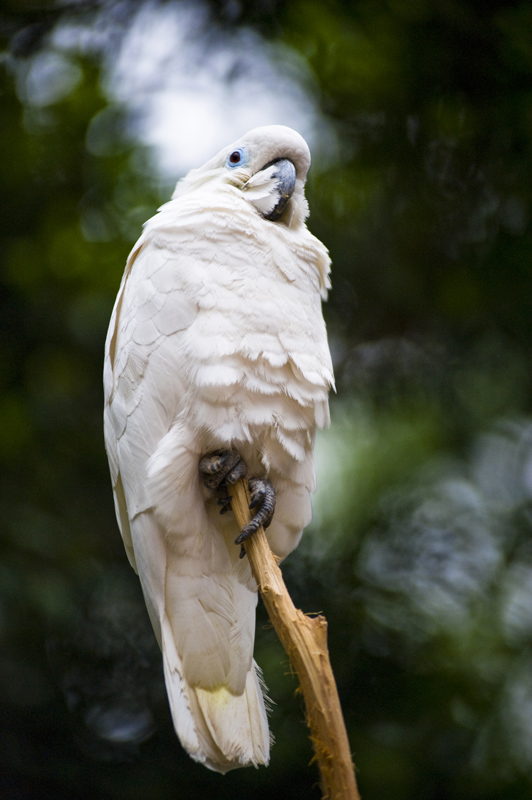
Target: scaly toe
{"x": 220, "y": 469}
{"x": 263, "y": 496}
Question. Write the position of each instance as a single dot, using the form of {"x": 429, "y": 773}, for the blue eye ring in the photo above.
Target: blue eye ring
{"x": 237, "y": 158}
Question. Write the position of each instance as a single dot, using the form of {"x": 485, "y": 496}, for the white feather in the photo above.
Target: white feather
{"x": 216, "y": 340}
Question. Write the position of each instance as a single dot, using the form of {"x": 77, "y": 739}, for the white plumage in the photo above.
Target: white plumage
{"x": 216, "y": 341}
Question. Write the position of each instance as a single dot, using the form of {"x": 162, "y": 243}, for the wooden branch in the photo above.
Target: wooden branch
{"x": 305, "y": 640}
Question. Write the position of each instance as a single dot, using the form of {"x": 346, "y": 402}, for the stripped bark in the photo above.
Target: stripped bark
{"x": 305, "y": 641}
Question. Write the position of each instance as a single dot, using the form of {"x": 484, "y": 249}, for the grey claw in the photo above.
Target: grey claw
{"x": 262, "y": 495}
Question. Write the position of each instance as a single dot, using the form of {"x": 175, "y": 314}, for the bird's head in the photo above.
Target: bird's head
{"x": 268, "y": 165}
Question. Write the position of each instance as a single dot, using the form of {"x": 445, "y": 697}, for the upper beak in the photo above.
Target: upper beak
{"x": 284, "y": 176}
{"x": 270, "y": 189}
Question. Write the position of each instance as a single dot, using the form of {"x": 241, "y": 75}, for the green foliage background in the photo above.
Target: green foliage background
{"x": 420, "y": 554}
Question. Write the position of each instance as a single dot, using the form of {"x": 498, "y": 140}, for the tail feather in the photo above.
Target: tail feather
{"x": 219, "y": 729}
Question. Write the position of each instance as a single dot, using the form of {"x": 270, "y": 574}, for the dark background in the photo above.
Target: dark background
{"x": 420, "y": 553}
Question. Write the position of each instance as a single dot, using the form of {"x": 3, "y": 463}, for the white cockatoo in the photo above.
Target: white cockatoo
{"x": 217, "y": 366}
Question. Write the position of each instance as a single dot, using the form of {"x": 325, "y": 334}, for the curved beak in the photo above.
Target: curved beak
{"x": 270, "y": 189}
{"x": 284, "y": 175}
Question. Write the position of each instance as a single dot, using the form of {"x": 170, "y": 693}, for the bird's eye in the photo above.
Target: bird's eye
{"x": 236, "y": 158}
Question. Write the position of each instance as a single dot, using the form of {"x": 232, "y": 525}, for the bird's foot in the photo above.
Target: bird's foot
{"x": 223, "y": 468}
{"x": 263, "y": 499}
